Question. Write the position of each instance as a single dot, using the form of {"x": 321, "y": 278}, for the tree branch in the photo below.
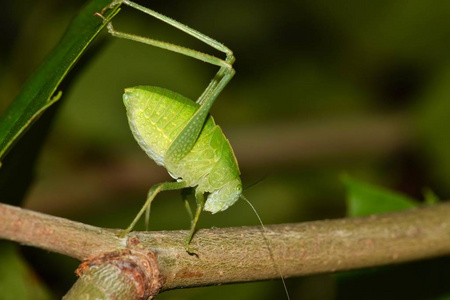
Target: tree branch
{"x": 241, "y": 254}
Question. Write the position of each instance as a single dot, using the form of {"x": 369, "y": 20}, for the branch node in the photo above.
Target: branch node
{"x": 133, "y": 242}
{"x": 139, "y": 265}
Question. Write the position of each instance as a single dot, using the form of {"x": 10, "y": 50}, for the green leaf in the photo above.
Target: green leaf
{"x": 38, "y": 92}
{"x": 364, "y": 199}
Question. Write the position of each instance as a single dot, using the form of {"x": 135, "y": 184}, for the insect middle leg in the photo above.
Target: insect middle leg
{"x": 200, "y": 201}
{"x": 185, "y": 193}
{"x": 154, "y": 190}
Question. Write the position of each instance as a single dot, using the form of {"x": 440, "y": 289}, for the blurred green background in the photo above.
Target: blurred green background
{"x": 322, "y": 88}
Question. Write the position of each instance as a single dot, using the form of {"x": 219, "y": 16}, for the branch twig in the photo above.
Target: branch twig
{"x": 240, "y": 254}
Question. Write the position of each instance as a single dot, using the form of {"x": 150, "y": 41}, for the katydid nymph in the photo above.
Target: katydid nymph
{"x": 180, "y": 135}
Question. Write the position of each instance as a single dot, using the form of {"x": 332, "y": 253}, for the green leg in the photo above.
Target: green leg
{"x": 154, "y": 190}
{"x": 184, "y": 195}
{"x": 225, "y": 64}
{"x": 200, "y": 200}
{"x": 185, "y": 140}
{"x": 192, "y": 32}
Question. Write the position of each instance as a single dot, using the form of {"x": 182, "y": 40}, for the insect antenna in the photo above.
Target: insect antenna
{"x": 256, "y": 182}
{"x": 269, "y": 245}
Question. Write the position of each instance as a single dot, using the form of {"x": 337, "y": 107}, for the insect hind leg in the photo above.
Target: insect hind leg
{"x": 154, "y": 190}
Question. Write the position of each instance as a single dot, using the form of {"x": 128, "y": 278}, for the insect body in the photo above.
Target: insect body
{"x": 179, "y": 134}
{"x": 157, "y": 116}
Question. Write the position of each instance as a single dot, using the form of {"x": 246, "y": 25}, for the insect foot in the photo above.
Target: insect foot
{"x": 190, "y": 250}
{"x": 122, "y": 233}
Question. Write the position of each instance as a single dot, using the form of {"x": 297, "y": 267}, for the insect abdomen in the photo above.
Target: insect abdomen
{"x": 156, "y": 116}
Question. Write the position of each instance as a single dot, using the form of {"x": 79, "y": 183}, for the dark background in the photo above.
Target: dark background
{"x": 323, "y": 88}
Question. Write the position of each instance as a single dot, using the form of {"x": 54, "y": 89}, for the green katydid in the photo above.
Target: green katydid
{"x": 180, "y": 135}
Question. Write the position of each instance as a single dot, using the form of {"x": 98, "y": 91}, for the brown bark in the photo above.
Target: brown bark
{"x": 241, "y": 254}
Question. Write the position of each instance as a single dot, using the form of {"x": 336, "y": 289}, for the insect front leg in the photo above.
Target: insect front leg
{"x": 200, "y": 201}
{"x": 154, "y": 190}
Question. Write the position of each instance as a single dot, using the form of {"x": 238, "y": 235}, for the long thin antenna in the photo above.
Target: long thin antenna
{"x": 269, "y": 245}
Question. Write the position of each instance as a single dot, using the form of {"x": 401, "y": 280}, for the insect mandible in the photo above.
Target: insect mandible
{"x": 179, "y": 134}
